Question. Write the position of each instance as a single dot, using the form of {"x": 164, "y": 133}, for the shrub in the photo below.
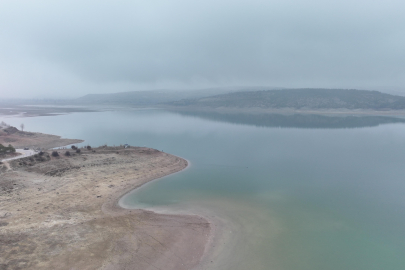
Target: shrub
{"x": 67, "y": 153}
{"x": 55, "y": 154}
{"x": 73, "y": 147}
{"x": 4, "y": 150}
{"x": 41, "y": 153}
{"x": 78, "y": 151}
{"x": 88, "y": 147}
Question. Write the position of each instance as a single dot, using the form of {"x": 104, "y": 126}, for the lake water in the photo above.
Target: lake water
{"x": 299, "y": 193}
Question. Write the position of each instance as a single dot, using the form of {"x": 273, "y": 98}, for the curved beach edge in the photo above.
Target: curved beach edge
{"x": 195, "y": 232}
{"x": 64, "y": 213}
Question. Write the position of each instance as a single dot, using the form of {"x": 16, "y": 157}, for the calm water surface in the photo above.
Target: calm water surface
{"x": 298, "y": 197}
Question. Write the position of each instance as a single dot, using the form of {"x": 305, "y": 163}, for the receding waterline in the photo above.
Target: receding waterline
{"x": 131, "y": 194}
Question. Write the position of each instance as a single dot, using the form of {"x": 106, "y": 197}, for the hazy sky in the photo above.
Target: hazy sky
{"x": 71, "y": 48}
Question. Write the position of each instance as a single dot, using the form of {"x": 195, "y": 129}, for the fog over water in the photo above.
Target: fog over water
{"x": 71, "y": 48}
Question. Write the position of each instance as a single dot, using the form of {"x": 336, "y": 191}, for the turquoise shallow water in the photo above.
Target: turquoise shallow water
{"x": 301, "y": 195}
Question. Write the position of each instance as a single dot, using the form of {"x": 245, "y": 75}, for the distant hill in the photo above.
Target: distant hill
{"x": 299, "y": 99}
{"x": 153, "y": 97}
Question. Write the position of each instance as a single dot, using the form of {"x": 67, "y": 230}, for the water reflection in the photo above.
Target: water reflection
{"x": 300, "y": 198}
{"x": 295, "y": 120}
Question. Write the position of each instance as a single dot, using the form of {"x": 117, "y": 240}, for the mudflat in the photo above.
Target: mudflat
{"x": 62, "y": 213}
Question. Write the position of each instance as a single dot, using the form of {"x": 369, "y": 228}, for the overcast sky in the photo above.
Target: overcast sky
{"x": 71, "y": 48}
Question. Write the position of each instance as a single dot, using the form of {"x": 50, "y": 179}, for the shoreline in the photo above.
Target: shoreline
{"x": 125, "y": 206}
{"x": 216, "y": 234}
{"x": 114, "y": 205}
{"x": 286, "y": 111}
{"x": 36, "y": 140}
{"x": 219, "y": 243}
{"x": 97, "y": 180}
{"x": 23, "y": 111}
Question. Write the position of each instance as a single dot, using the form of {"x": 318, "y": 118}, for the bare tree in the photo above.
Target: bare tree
{"x": 22, "y": 127}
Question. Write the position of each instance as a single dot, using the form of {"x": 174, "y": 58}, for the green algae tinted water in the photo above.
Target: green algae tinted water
{"x": 300, "y": 192}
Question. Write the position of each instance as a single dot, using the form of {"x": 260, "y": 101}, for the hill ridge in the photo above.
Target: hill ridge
{"x": 300, "y": 98}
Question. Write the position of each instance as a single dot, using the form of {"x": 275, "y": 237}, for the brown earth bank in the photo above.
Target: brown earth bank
{"x": 62, "y": 213}
{"x": 20, "y": 139}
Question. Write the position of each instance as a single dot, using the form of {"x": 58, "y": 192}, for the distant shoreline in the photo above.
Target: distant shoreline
{"x": 287, "y": 111}
{"x": 47, "y": 110}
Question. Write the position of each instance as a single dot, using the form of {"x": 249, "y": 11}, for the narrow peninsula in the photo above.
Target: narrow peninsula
{"x": 59, "y": 210}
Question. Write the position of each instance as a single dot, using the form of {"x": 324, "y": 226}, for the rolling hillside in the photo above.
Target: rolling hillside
{"x": 153, "y": 97}
{"x": 299, "y": 99}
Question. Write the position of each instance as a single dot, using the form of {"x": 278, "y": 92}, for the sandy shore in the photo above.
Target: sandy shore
{"x": 62, "y": 213}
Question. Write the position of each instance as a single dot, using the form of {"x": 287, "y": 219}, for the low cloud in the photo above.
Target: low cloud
{"x": 71, "y": 48}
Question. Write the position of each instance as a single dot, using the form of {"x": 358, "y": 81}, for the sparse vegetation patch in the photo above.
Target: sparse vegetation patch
{"x": 6, "y": 149}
